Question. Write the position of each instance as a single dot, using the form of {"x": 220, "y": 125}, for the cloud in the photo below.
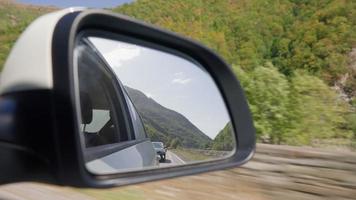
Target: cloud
{"x": 122, "y": 53}
{"x": 178, "y": 74}
{"x": 116, "y": 52}
{"x": 181, "y": 80}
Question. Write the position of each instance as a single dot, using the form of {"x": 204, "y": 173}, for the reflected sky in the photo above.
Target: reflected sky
{"x": 172, "y": 81}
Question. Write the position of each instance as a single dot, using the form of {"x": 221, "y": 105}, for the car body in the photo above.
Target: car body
{"x": 160, "y": 150}
{"x": 100, "y": 115}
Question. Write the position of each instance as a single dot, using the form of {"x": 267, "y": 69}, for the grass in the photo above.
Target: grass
{"x": 14, "y": 18}
{"x": 190, "y": 155}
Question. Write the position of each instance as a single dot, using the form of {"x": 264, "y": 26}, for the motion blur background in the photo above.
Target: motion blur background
{"x": 296, "y": 60}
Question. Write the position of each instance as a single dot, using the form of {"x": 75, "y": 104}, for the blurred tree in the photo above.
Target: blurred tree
{"x": 175, "y": 143}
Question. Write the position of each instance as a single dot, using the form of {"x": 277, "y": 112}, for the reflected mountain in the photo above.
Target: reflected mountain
{"x": 166, "y": 125}
{"x": 224, "y": 140}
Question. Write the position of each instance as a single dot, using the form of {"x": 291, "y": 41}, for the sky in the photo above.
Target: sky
{"x": 173, "y": 82}
{"x": 80, "y": 3}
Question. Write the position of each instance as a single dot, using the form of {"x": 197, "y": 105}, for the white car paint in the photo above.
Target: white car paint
{"x": 29, "y": 64}
{"x": 136, "y": 157}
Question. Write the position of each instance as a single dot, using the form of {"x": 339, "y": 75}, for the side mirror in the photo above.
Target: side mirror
{"x": 103, "y": 96}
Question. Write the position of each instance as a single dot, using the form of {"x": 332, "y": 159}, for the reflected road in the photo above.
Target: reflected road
{"x": 171, "y": 159}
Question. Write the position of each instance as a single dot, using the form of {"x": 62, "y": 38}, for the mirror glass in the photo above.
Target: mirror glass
{"x": 143, "y": 108}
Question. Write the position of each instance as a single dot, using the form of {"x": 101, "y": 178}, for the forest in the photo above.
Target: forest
{"x": 296, "y": 59}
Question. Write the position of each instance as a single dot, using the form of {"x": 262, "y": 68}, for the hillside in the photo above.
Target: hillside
{"x": 293, "y": 58}
{"x": 224, "y": 140}
{"x": 314, "y": 36}
{"x": 14, "y": 18}
{"x": 163, "y": 124}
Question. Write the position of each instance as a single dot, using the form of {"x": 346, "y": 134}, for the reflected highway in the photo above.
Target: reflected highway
{"x": 171, "y": 159}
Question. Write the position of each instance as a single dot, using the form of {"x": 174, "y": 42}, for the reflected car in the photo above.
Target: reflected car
{"x": 107, "y": 143}
{"x": 160, "y": 150}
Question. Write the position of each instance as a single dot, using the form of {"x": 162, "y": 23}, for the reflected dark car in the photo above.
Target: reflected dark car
{"x": 160, "y": 150}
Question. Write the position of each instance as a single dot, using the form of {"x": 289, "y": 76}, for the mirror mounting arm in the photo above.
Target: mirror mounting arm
{"x": 25, "y": 127}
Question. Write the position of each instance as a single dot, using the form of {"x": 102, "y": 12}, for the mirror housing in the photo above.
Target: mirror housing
{"x": 57, "y": 146}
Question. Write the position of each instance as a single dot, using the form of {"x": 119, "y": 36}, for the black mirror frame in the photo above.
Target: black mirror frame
{"x": 70, "y": 169}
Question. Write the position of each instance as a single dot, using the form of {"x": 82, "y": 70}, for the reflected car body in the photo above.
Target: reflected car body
{"x": 160, "y": 150}
{"x": 141, "y": 152}
{"x": 107, "y": 144}
{"x": 141, "y": 155}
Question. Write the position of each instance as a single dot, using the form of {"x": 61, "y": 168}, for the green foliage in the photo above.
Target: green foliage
{"x": 296, "y": 110}
{"x": 320, "y": 114}
{"x": 224, "y": 141}
{"x": 311, "y": 35}
{"x": 268, "y": 94}
{"x": 286, "y": 54}
{"x": 351, "y": 125}
{"x": 14, "y": 18}
{"x": 155, "y": 135}
{"x": 175, "y": 143}
{"x": 192, "y": 155}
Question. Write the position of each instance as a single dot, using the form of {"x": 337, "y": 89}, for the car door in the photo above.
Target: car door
{"x": 107, "y": 141}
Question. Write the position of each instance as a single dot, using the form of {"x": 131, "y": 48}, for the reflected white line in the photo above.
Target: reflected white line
{"x": 178, "y": 158}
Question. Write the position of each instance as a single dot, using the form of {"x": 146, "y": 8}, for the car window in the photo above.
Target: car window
{"x": 100, "y": 118}
{"x": 98, "y": 98}
{"x": 157, "y": 144}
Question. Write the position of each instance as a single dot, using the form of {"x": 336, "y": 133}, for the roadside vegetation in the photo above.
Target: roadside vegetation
{"x": 189, "y": 155}
{"x": 296, "y": 59}
{"x": 293, "y": 58}
{"x": 196, "y": 155}
{"x": 14, "y": 18}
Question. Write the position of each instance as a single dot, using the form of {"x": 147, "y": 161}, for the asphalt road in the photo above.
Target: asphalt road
{"x": 171, "y": 159}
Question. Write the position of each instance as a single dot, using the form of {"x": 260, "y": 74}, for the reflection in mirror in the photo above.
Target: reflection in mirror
{"x": 176, "y": 114}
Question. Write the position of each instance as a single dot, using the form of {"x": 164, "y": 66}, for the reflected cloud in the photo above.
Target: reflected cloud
{"x": 122, "y": 53}
{"x": 181, "y": 81}
{"x": 178, "y": 74}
